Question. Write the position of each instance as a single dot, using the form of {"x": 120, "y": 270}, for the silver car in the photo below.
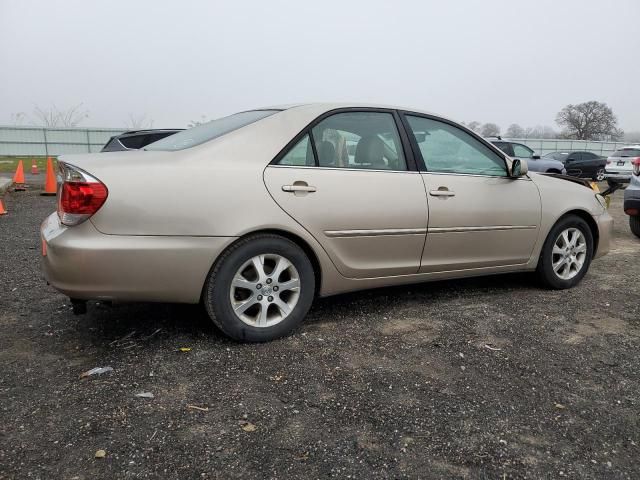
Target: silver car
{"x": 620, "y": 164}
{"x": 631, "y": 203}
{"x": 535, "y": 163}
{"x": 256, "y": 214}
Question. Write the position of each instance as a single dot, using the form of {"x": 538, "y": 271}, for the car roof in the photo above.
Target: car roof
{"x": 328, "y": 106}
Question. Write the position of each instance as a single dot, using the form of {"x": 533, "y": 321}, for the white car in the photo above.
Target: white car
{"x": 620, "y": 164}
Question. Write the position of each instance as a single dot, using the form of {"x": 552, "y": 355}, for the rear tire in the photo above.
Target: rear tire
{"x": 634, "y": 223}
{"x": 566, "y": 253}
{"x": 260, "y": 289}
{"x": 599, "y": 175}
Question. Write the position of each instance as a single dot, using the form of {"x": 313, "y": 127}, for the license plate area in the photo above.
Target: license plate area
{"x": 620, "y": 163}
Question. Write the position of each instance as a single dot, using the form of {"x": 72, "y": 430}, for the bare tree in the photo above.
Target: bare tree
{"x": 54, "y": 117}
{"x": 195, "y": 123}
{"x": 138, "y": 122}
{"x": 18, "y": 118}
{"x": 514, "y": 131}
{"x": 473, "y": 125}
{"x": 588, "y": 121}
{"x": 540, "y": 131}
{"x": 490, "y": 130}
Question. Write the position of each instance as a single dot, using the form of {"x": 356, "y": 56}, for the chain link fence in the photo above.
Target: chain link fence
{"x": 543, "y": 146}
{"x": 18, "y": 141}
{"x": 42, "y": 141}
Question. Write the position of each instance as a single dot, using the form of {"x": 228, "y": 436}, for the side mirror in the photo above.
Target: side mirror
{"x": 519, "y": 168}
{"x": 535, "y": 156}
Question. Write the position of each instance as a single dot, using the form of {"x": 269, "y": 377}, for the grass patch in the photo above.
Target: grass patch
{"x": 9, "y": 164}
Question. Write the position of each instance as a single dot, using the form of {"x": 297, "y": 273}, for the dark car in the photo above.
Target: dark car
{"x": 136, "y": 139}
{"x": 534, "y": 162}
{"x": 581, "y": 164}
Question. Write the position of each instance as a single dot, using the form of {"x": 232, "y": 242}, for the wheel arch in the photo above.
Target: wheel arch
{"x": 306, "y": 248}
{"x": 586, "y": 216}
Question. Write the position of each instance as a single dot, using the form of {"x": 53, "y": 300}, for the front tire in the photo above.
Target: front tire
{"x": 634, "y": 223}
{"x": 260, "y": 289}
{"x": 566, "y": 253}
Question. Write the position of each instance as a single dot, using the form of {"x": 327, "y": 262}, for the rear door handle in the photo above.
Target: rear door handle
{"x": 442, "y": 192}
{"x": 298, "y": 188}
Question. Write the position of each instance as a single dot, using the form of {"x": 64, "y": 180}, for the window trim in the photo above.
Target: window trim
{"x": 418, "y": 154}
{"x": 405, "y": 145}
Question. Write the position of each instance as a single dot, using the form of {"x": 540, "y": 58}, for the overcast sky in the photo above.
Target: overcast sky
{"x": 174, "y": 61}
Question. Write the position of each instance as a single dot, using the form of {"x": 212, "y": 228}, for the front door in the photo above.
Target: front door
{"x": 347, "y": 183}
{"x": 479, "y": 218}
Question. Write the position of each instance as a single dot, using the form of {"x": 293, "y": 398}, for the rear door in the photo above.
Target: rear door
{"x": 350, "y": 184}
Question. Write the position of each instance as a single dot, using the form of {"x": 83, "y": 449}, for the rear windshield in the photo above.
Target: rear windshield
{"x": 627, "y": 152}
{"x": 208, "y": 131}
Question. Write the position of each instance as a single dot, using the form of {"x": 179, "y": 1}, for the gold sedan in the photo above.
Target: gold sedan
{"x": 257, "y": 213}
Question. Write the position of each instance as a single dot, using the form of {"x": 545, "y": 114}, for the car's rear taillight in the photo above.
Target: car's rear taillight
{"x": 80, "y": 195}
{"x": 636, "y": 165}
{"x": 609, "y": 162}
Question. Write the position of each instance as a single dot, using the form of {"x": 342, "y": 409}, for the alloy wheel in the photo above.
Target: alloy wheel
{"x": 600, "y": 175}
{"x": 569, "y": 253}
{"x": 265, "y": 290}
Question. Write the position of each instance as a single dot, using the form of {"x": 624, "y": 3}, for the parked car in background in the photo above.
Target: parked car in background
{"x": 581, "y": 164}
{"x": 136, "y": 139}
{"x": 276, "y": 212}
{"x": 632, "y": 199}
{"x": 619, "y": 166}
{"x": 534, "y": 162}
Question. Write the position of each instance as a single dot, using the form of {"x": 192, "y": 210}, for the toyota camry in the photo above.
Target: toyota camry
{"x": 256, "y": 214}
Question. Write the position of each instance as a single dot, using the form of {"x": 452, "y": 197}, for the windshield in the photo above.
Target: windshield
{"x": 627, "y": 152}
{"x": 557, "y": 155}
{"x": 208, "y": 131}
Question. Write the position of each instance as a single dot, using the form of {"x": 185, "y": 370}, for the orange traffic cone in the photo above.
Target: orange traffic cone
{"x": 18, "y": 178}
{"x": 34, "y": 167}
{"x": 3, "y": 211}
{"x": 50, "y": 184}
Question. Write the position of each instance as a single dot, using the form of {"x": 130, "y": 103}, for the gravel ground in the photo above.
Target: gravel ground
{"x": 484, "y": 378}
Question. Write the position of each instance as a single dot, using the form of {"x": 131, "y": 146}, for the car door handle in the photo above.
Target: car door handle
{"x": 442, "y": 192}
{"x": 298, "y": 188}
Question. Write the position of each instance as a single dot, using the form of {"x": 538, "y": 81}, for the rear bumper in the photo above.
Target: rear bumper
{"x": 617, "y": 177}
{"x": 605, "y": 232}
{"x": 83, "y": 263}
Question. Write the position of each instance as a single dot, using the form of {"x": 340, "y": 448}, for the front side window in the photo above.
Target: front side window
{"x": 448, "y": 149}
{"x": 366, "y": 140}
{"x": 209, "y": 131}
{"x": 522, "y": 151}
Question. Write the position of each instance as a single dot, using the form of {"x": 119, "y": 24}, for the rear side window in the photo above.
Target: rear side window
{"x": 627, "y": 152}
{"x": 366, "y": 140}
{"x": 301, "y": 155}
{"x": 209, "y": 131}
{"x": 522, "y": 151}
